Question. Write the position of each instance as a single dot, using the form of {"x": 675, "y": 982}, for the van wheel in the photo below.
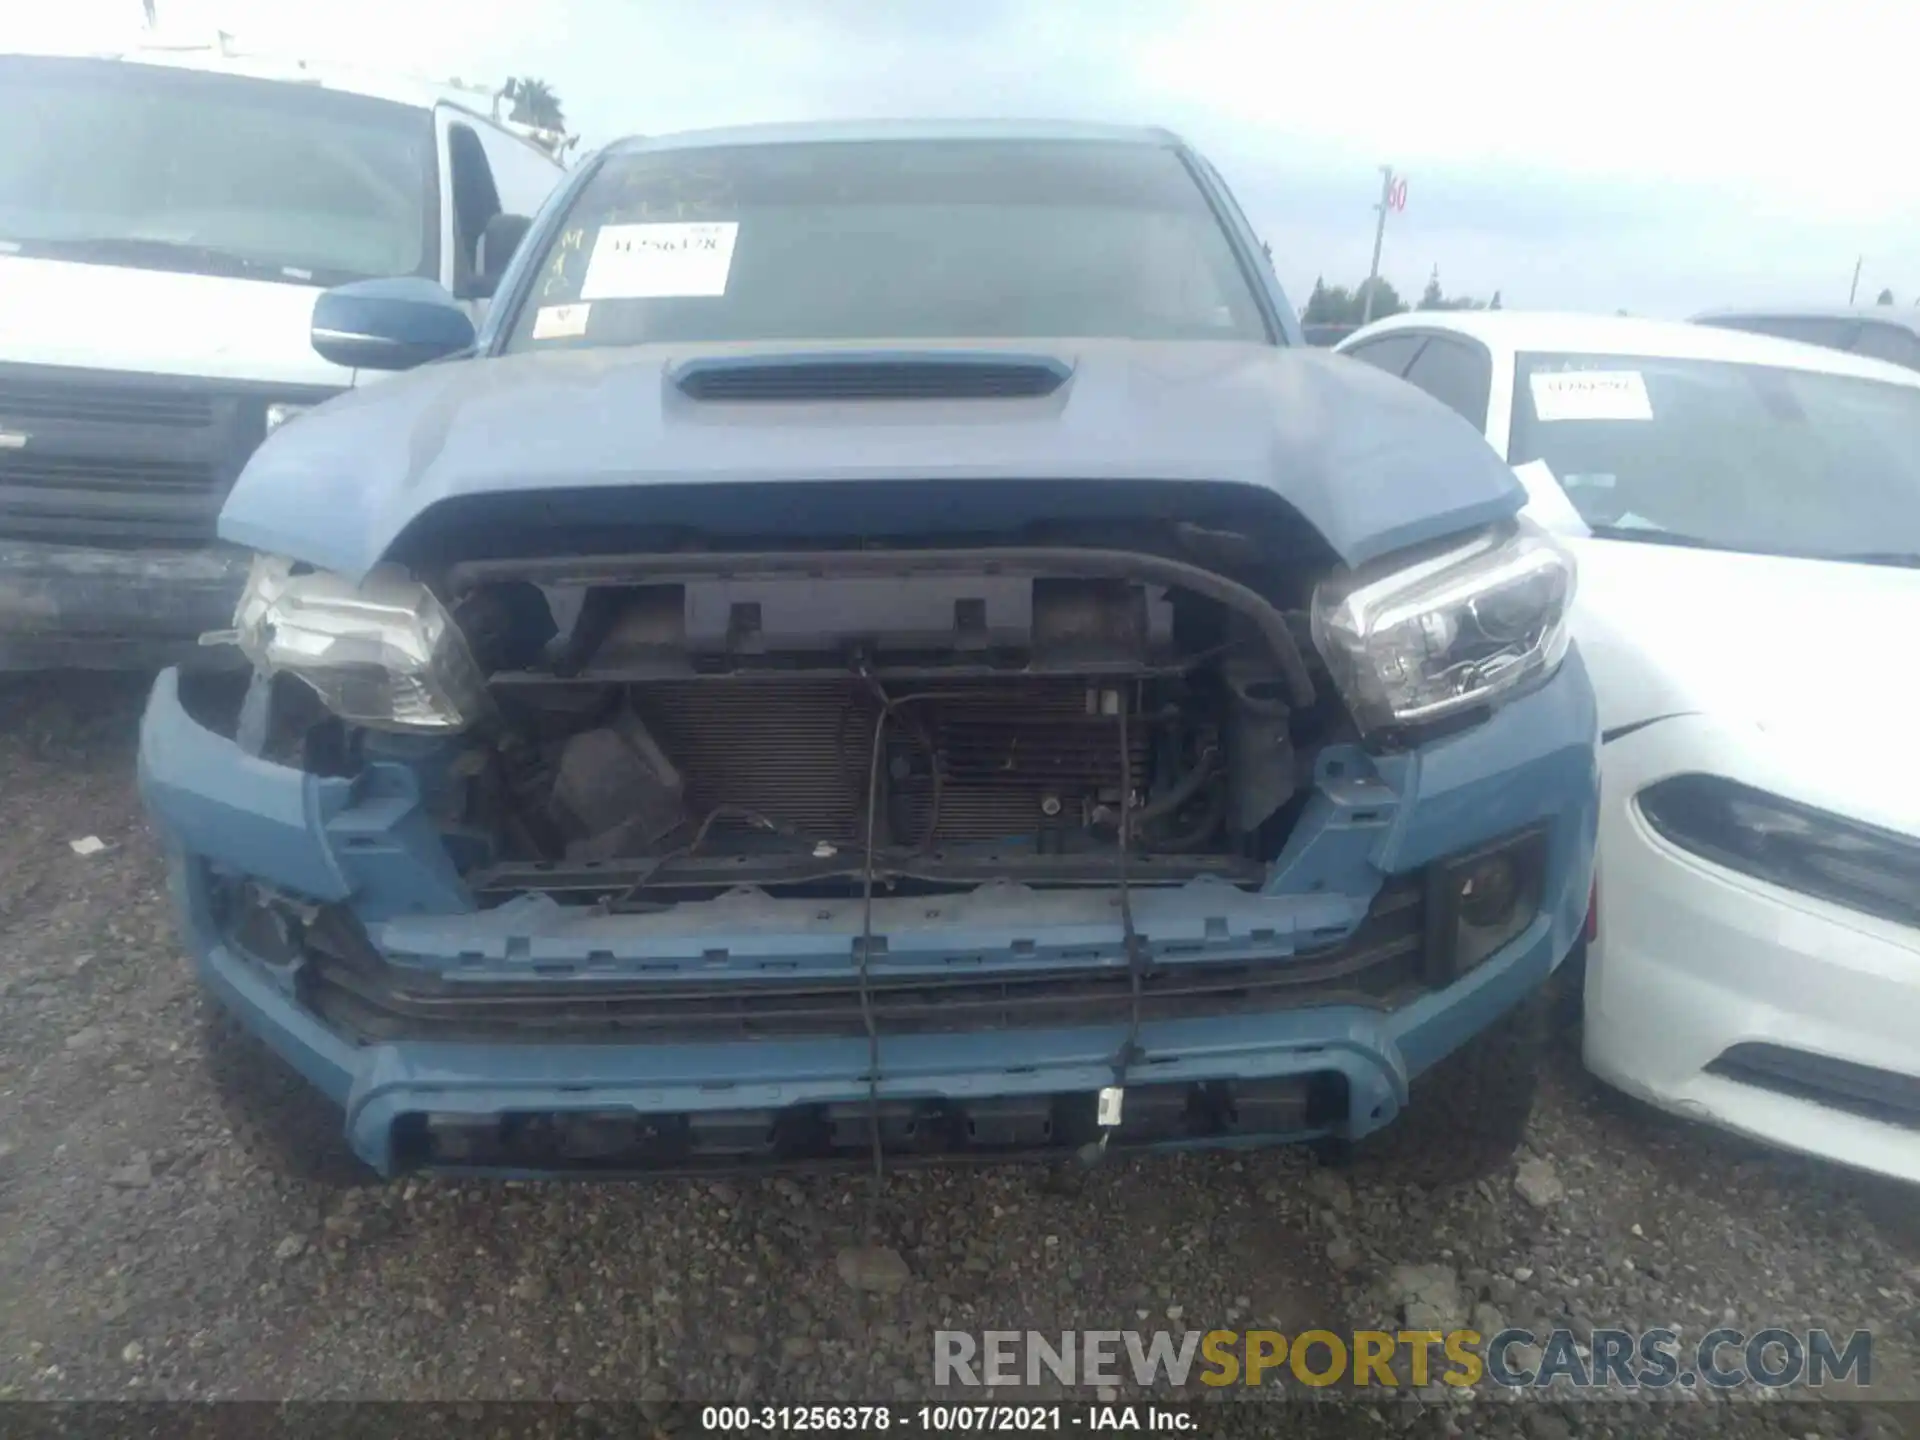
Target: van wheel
{"x": 278, "y": 1120}
{"x": 1466, "y": 1116}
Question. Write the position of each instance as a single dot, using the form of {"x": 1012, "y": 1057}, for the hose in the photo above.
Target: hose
{"x": 1184, "y": 789}
{"x": 1201, "y": 831}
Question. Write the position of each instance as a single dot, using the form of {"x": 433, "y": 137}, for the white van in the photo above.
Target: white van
{"x": 167, "y": 218}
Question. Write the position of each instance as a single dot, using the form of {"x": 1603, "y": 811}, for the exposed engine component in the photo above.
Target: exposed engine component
{"x": 1259, "y": 745}
{"x": 967, "y": 761}
{"x": 615, "y": 791}
{"x": 725, "y": 709}
{"x": 1033, "y": 763}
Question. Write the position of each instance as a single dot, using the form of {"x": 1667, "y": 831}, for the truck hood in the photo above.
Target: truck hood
{"x": 1792, "y": 655}
{"x": 159, "y": 322}
{"x": 1369, "y": 461}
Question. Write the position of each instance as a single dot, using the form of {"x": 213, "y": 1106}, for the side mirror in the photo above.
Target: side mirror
{"x": 495, "y": 250}
{"x": 389, "y": 324}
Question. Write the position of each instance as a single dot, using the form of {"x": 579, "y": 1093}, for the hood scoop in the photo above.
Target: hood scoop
{"x": 917, "y": 375}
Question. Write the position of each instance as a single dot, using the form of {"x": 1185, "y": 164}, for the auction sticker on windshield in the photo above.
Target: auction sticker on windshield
{"x": 665, "y": 260}
{"x": 1591, "y": 395}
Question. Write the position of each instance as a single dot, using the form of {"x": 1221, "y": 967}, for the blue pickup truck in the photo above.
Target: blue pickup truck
{"x": 885, "y": 646}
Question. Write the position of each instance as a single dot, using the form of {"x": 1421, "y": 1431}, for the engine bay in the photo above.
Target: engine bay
{"x": 939, "y": 717}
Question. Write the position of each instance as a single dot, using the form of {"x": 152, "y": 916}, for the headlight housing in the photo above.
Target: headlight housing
{"x": 1409, "y": 643}
{"x": 1785, "y": 843}
{"x": 383, "y": 653}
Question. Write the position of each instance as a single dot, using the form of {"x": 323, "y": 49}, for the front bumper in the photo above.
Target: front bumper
{"x": 366, "y": 844}
{"x": 1692, "y": 960}
{"x": 80, "y": 607}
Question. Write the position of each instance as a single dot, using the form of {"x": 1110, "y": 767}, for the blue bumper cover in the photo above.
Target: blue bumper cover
{"x": 366, "y": 842}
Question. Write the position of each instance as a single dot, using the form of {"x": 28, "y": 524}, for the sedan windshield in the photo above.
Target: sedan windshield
{"x": 135, "y": 164}
{"x": 1726, "y": 456}
{"x": 891, "y": 240}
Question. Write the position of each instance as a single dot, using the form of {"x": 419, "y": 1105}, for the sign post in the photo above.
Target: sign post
{"x": 1393, "y": 196}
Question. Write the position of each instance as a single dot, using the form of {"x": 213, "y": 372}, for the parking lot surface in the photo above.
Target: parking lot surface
{"x": 141, "y": 1256}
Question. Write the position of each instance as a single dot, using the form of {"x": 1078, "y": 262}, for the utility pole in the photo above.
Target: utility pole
{"x": 1379, "y": 235}
{"x": 1854, "y": 288}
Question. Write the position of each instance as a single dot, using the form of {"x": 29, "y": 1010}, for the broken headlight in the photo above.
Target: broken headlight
{"x": 382, "y": 653}
{"x": 1413, "y": 642}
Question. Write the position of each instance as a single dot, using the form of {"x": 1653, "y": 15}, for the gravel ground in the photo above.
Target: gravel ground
{"x": 141, "y": 1257}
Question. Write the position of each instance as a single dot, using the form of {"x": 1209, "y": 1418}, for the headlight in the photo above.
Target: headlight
{"x": 281, "y": 411}
{"x": 383, "y": 653}
{"x": 1408, "y": 643}
{"x": 1789, "y": 844}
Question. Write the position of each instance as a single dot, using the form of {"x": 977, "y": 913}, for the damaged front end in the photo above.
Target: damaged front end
{"x": 624, "y": 862}
{"x": 816, "y": 716}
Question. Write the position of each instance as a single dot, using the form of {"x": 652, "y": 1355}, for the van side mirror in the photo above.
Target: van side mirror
{"x": 494, "y": 251}
{"x": 389, "y": 324}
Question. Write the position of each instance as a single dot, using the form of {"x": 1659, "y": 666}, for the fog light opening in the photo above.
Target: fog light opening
{"x": 1488, "y": 892}
{"x": 1481, "y": 901}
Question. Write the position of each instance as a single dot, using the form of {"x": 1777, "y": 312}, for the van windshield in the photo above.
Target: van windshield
{"x": 890, "y": 240}
{"x": 125, "y": 163}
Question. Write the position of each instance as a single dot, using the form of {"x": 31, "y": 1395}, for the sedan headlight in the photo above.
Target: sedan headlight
{"x": 383, "y": 653}
{"x": 1789, "y": 844}
{"x": 1409, "y": 643}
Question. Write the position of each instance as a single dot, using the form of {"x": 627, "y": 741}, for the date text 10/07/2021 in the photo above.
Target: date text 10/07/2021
{"x": 909, "y": 1419}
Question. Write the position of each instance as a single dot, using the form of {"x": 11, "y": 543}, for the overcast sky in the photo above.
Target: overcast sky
{"x": 1657, "y": 157}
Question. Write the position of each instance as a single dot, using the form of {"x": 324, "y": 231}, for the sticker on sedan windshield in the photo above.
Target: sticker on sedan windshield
{"x": 1591, "y": 395}
{"x": 559, "y": 322}
{"x": 660, "y": 261}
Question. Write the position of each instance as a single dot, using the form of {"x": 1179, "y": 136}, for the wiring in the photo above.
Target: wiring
{"x": 1129, "y": 1050}
{"x": 889, "y": 708}
{"x": 652, "y": 865}
{"x": 864, "y": 957}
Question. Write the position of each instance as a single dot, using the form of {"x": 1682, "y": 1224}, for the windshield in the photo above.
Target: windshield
{"x": 887, "y": 240}
{"x": 1736, "y": 457}
{"x": 147, "y": 165}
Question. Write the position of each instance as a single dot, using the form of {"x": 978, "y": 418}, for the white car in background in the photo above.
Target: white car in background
{"x": 1746, "y": 512}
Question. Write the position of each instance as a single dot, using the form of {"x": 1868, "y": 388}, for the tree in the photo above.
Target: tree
{"x": 534, "y": 103}
{"x": 1886, "y": 298}
{"x": 1337, "y": 305}
{"x": 1331, "y": 305}
{"x": 1433, "y": 298}
{"x": 1386, "y": 301}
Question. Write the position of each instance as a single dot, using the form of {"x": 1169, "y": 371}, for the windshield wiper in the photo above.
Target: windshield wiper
{"x": 1904, "y": 559}
{"x": 165, "y": 255}
{"x": 1652, "y": 536}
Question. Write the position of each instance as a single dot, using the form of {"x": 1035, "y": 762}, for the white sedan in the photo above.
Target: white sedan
{"x": 1746, "y": 512}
